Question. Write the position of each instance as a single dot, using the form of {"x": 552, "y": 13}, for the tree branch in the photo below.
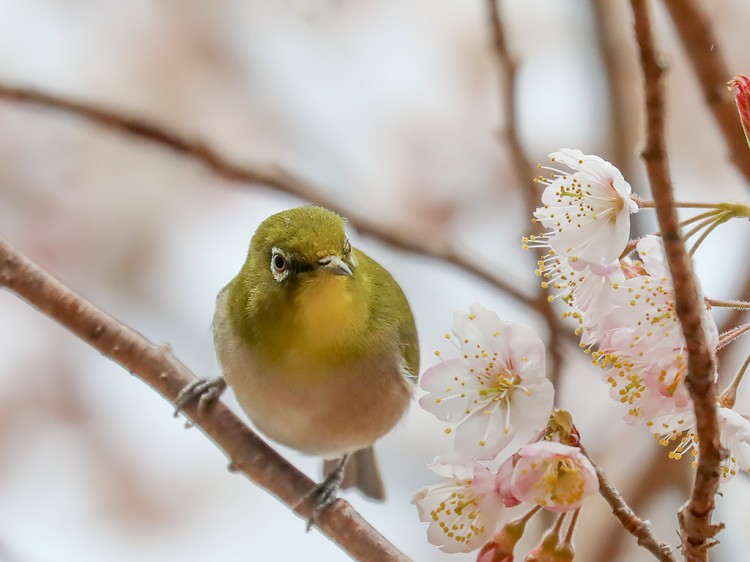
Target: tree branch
{"x": 623, "y": 105}
{"x": 506, "y": 71}
{"x": 271, "y": 176}
{"x": 697, "y": 531}
{"x": 640, "y": 529}
{"x": 704, "y": 53}
{"x": 157, "y": 367}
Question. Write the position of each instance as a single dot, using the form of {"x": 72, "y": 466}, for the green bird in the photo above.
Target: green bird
{"x": 318, "y": 342}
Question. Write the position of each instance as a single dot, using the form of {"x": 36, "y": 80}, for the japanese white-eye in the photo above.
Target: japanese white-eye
{"x": 318, "y": 342}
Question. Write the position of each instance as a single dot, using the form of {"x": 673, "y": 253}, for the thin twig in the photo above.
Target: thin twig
{"x": 656, "y": 474}
{"x": 157, "y": 367}
{"x": 697, "y": 531}
{"x": 270, "y": 176}
{"x": 640, "y": 529}
{"x": 620, "y": 88}
{"x": 704, "y": 52}
{"x": 506, "y": 71}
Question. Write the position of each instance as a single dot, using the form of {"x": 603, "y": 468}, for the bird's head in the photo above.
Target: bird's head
{"x": 297, "y": 246}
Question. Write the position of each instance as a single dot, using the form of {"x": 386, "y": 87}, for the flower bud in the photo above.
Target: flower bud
{"x": 546, "y": 550}
{"x": 495, "y": 552}
{"x": 742, "y": 99}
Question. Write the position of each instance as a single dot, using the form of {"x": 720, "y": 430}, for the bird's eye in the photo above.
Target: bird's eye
{"x": 279, "y": 262}
{"x": 280, "y": 265}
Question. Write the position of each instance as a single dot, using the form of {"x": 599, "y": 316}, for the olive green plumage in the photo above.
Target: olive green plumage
{"x": 316, "y": 338}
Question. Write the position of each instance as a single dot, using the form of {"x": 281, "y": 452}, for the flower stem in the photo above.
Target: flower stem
{"x": 702, "y": 224}
{"x": 681, "y": 205}
{"x": 571, "y": 527}
{"x": 720, "y": 219}
{"x": 629, "y": 248}
{"x": 737, "y": 305}
{"x": 699, "y": 217}
{"x": 730, "y": 335}
{"x": 558, "y": 524}
{"x": 729, "y": 395}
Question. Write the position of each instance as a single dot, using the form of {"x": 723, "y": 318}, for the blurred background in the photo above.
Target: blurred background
{"x": 392, "y": 109}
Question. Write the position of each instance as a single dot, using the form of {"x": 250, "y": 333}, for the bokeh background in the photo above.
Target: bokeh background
{"x": 393, "y": 109}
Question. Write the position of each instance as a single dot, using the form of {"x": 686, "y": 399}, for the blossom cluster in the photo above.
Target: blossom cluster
{"x": 625, "y": 308}
{"x": 621, "y": 295}
{"x": 496, "y": 388}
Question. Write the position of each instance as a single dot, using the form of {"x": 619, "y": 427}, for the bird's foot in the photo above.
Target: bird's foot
{"x": 205, "y": 391}
{"x": 324, "y": 493}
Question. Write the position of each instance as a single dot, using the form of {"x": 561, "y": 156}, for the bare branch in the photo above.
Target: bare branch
{"x": 157, "y": 367}
{"x": 640, "y": 529}
{"x": 697, "y": 531}
{"x": 623, "y": 106}
{"x": 270, "y": 176}
{"x": 506, "y": 70}
{"x": 704, "y": 52}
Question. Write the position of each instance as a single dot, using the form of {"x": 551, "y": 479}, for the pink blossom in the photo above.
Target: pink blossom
{"x": 641, "y": 342}
{"x": 503, "y": 479}
{"x": 552, "y": 475}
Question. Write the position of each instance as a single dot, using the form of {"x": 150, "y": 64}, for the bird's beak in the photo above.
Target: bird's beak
{"x": 335, "y": 265}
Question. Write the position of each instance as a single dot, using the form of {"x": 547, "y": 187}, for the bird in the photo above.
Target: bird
{"x": 319, "y": 344}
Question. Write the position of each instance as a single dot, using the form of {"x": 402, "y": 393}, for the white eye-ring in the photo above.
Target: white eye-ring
{"x": 348, "y": 252}
{"x": 280, "y": 265}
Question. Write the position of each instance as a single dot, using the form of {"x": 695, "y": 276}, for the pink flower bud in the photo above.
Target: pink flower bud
{"x": 546, "y": 550}
{"x": 495, "y": 552}
{"x": 742, "y": 99}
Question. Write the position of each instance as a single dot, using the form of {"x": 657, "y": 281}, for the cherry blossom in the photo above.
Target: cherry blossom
{"x": 679, "y": 428}
{"x": 463, "y": 510}
{"x": 554, "y": 476}
{"x": 584, "y": 287}
{"x": 497, "y": 387}
{"x": 641, "y": 342}
{"x": 586, "y": 212}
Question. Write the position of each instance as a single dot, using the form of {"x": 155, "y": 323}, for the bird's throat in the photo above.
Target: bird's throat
{"x": 326, "y": 314}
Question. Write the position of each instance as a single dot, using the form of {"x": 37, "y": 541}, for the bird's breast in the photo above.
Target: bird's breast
{"x": 325, "y": 320}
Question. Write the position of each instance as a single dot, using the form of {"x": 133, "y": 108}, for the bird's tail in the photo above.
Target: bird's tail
{"x": 361, "y": 472}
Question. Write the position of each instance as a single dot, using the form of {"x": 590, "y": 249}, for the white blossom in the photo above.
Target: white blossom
{"x": 497, "y": 387}
{"x": 677, "y": 430}
{"x": 586, "y": 212}
{"x": 641, "y": 342}
{"x": 463, "y": 510}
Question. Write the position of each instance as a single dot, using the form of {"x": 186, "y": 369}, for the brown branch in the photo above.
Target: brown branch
{"x": 157, "y": 367}
{"x": 270, "y": 176}
{"x": 697, "y": 531}
{"x": 506, "y": 71}
{"x": 610, "y": 39}
{"x": 656, "y": 473}
{"x": 704, "y": 52}
{"x": 640, "y": 529}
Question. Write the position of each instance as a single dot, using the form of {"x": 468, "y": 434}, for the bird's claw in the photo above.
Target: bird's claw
{"x": 206, "y": 391}
{"x": 324, "y": 493}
